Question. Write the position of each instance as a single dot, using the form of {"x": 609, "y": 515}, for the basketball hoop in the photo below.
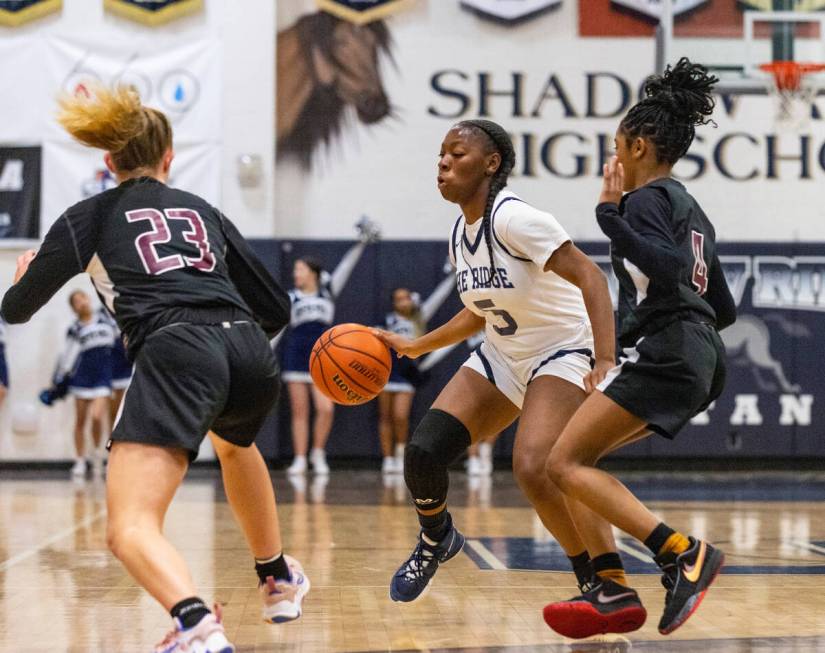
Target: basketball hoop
{"x": 791, "y": 87}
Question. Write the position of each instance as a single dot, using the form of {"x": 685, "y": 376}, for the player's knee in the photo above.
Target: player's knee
{"x": 439, "y": 439}
{"x": 559, "y": 468}
{"x": 118, "y": 535}
{"x": 531, "y": 475}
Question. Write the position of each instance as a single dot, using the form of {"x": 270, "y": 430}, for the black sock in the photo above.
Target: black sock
{"x": 656, "y": 540}
{"x": 189, "y": 611}
{"x": 435, "y": 526}
{"x": 582, "y": 567}
{"x": 275, "y": 567}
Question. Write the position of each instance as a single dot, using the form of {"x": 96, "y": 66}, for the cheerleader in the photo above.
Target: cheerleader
{"x": 408, "y": 318}
{"x": 121, "y": 369}
{"x": 86, "y": 363}
{"x": 313, "y": 312}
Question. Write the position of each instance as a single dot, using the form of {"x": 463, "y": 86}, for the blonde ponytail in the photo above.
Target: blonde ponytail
{"x": 113, "y": 119}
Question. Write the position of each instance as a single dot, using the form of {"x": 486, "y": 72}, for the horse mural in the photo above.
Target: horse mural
{"x": 748, "y": 342}
{"x": 324, "y": 66}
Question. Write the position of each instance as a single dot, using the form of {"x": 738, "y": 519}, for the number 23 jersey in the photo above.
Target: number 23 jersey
{"x": 528, "y": 311}
{"x": 153, "y": 253}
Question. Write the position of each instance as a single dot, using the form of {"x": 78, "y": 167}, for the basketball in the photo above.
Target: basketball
{"x": 349, "y": 364}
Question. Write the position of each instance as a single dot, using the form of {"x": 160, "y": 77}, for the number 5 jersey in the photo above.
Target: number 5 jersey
{"x": 528, "y": 311}
{"x": 152, "y": 252}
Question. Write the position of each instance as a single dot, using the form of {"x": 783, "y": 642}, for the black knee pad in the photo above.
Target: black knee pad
{"x": 438, "y": 440}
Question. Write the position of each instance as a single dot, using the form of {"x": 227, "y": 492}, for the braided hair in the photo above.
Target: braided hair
{"x": 674, "y": 103}
{"x": 497, "y": 140}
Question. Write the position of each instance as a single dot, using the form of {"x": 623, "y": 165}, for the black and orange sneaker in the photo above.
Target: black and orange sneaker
{"x": 604, "y": 608}
{"x": 686, "y": 578}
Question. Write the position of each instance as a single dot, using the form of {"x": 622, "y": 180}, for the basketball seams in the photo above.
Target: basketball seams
{"x": 332, "y": 338}
{"x": 322, "y": 350}
{"x": 346, "y": 374}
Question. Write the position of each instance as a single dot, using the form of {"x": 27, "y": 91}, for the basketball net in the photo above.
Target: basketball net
{"x": 794, "y": 90}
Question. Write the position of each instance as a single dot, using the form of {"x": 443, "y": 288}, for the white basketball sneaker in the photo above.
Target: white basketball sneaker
{"x": 298, "y": 466}
{"x": 79, "y": 467}
{"x": 318, "y": 458}
{"x": 473, "y": 466}
{"x": 207, "y": 636}
{"x": 282, "y": 599}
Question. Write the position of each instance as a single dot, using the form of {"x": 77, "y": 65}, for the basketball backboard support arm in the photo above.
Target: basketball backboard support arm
{"x": 742, "y": 76}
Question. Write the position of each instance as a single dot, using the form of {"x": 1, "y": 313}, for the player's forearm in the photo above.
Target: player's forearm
{"x": 463, "y": 324}
{"x": 600, "y": 311}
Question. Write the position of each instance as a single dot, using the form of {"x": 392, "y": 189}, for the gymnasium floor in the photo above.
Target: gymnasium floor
{"x": 60, "y": 590}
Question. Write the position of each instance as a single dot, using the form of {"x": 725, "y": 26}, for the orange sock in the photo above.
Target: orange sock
{"x": 608, "y": 566}
{"x": 676, "y": 544}
{"x": 616, "y": 575}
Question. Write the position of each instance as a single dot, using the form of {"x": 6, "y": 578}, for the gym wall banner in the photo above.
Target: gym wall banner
{"x": 361, "y": 12}
{"x": 19, "y": 193}
{"x": 510, "y": 13}
{"x": 17, "y": 12}
{"x": 153, "y": 12}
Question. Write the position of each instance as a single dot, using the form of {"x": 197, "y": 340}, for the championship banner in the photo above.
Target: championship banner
{"x": 510, "y": 13}
{"x": 362, "y": 12}
{"x": 153, "y": 12}
{"x": 17, "y": 12}
{"x": 19, "y": 193}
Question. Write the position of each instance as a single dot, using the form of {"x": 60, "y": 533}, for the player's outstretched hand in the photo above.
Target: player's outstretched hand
{"x": 612, "y": 182}
{"x": 23, "y": 262}
{"x": 597, "y": 374}
{"x": 403, "y": 346}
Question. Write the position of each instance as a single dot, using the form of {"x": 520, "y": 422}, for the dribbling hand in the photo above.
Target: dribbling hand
{"x": 612, "y": 182}
{"x": 403, "y": 346}
{"x": 23, "y": 262}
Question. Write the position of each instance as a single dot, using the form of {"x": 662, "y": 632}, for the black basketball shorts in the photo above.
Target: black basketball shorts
{"x": 192, "y": 378}
{"x": 669, "y": 376}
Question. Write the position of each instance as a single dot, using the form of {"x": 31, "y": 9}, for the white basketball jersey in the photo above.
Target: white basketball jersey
{"x": 528, "y": 311}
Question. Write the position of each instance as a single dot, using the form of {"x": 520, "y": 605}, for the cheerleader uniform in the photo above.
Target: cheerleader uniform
{"x": 311, "y": 315}
{"x": 404, "y": 374}
{"x": 87, "y": 359}
{"x": 121, "y": 367}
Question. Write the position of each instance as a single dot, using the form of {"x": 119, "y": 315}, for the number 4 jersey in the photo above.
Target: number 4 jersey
{"x": 528, "y": 311}
{"x": 663, "y": 251}
{"x": 153, "y": 253}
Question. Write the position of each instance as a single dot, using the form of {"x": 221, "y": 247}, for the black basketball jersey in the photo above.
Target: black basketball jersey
{"x": 663, "y": 251}
{"x": 156, "y": 255}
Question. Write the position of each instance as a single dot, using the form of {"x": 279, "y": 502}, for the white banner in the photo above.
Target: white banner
{"x": 365, "y": 138}
{"x": 72, "y": 172}
{"x": 183, "y": 81}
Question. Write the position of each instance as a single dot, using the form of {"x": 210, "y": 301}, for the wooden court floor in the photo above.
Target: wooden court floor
{"x": 61, "y": 590}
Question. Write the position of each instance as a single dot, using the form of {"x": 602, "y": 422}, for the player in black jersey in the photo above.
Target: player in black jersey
{"x": 673, "y": 301}
{"x": 195, "y": 307}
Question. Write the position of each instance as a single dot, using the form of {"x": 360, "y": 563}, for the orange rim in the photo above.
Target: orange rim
{"x": 788, "y": 74}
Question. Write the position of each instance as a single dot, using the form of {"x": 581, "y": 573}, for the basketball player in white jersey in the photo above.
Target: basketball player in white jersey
{"x": 535, "y": 295}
